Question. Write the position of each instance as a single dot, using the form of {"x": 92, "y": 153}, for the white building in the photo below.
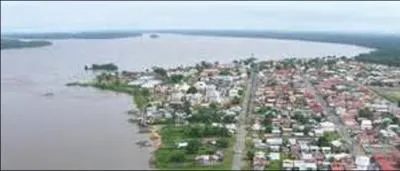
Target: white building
{"x": 327, "y": 126}
{"x": 366, "y": 124}
{"x": 214, "y": 96}
{"x": 362, "y": 162}
{"x": 176, "y": 97}
{"x": 274, "y": 156}
{"x": 200, "y": 85}
{"x": 183, "y": 144}
{"x": 275, "y": 141}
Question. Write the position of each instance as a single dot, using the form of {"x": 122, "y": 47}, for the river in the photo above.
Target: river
{"x": 84, "y": 128}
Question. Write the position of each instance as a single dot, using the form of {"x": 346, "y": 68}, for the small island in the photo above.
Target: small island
{"x": 17, "y": 44}
{"x": 154, "y": 36}
{"x": 103, "y": 67}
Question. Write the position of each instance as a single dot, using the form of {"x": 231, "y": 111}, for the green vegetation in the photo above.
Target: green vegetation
{"x": 392, "y": 96}
{"x": 207, "y": 115}
{"x": 274, "y": 165}
{"x": 108, "y": 81}
{"x": 389, "y": 57}
{"x": 225, "y": 73}
{"x": 161, "y": 72}
{"x": 327, "y": 138}
{"x": 169, "y": 156}
{"x": 175, "y": 79}
{"x": 365, "y": 113}
{"x": 192, "y": 90}
{"x": 16, "y": 44}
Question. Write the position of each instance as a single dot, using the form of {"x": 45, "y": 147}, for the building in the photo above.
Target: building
{"x": 362, "y": 162}
{"x": 382, "y": 162}
{"x": 366, "y": 125}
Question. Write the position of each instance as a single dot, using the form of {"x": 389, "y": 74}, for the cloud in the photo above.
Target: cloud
{"x": 308, "y": 15}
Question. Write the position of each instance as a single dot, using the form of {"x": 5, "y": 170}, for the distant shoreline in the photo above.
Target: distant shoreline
{"x": 384, "y": 46}
{"x": 19, "y": 44}
{"x": 239, "y": 34}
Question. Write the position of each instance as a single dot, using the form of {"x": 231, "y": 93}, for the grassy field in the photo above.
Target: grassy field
{"x": 392, "y": 96}
{"x": 172, "y": 135}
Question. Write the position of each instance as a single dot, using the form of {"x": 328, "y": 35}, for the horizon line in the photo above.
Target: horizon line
{"x": 4, "y": 33}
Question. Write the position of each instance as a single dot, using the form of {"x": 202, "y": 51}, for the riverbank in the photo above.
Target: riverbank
{"x": 192, "y": 123}
{"x": 158, "y": 131}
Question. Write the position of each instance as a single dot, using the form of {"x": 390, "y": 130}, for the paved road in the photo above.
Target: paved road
{"x": 331, "y": 116}
{"x": 242, "y": 132}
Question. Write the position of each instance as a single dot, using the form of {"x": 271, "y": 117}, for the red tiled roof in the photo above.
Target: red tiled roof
{"x": 384, "y": 164}
{"x": 337, "y": 167}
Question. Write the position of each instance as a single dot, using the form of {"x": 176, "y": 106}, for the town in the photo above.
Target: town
{"x": 325, "y": 113}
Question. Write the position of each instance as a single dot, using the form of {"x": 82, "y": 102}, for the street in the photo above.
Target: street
{"x": 242, "y": 132}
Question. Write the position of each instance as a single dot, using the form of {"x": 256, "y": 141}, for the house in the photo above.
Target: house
{"x": 183, "y": 144}
{"x": 259, "y": 160}
{"x": 307, "y": 157}
{"x": 319, "y": 132}
{"x": 207, "y": 159}
{"x": 304, "y": 147}
{"x": 183, "y": 87}
{"x": 292, "y": 141}
{"x": 275, "y": 141}
{"x": 337, "y": 166}
{"x": 231, "y": 128}
{"x": 366, "y": 124}
{"x": 151, "y": 84}
{"x": 234, "y": 92}
{"x": 256, "y": 127}
{"x": 314, "y": 148}
{"x": 176, "y": 97}
{"x": 326, "y": 149}
{"x": 210, "y": 72}
{"x": 275, "y": 148}
{"x": 194, "y": 98}
{"x": 213, "y": 96}
{"x": 382, "y": 162}
{"x": 275, "y": 130}
{"x": 200, "y": 85}
{"x": 362, "y": 162}
{"x": 260, "y": 144}
{"x": 336, "y": 143}
{"x": 309, "y": 166}
{"x": 327, "y": 126}
{"x": 287, "y": 164}
{"x": 274, "y": 156}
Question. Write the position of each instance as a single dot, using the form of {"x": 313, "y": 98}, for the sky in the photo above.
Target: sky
{"x": 339, "y": 16}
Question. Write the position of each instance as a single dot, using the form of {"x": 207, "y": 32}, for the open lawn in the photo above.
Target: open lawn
{"x": 170, "y": 157}
{"x": 392, "y": 96}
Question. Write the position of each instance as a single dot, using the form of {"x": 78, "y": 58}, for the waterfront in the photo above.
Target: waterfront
{"x": 83, "y": 128}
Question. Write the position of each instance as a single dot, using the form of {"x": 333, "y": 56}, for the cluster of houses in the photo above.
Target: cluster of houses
{"x": 221, "y": 84}
{"x": 380, "y": 130}
{"x": 299, "y": 121}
